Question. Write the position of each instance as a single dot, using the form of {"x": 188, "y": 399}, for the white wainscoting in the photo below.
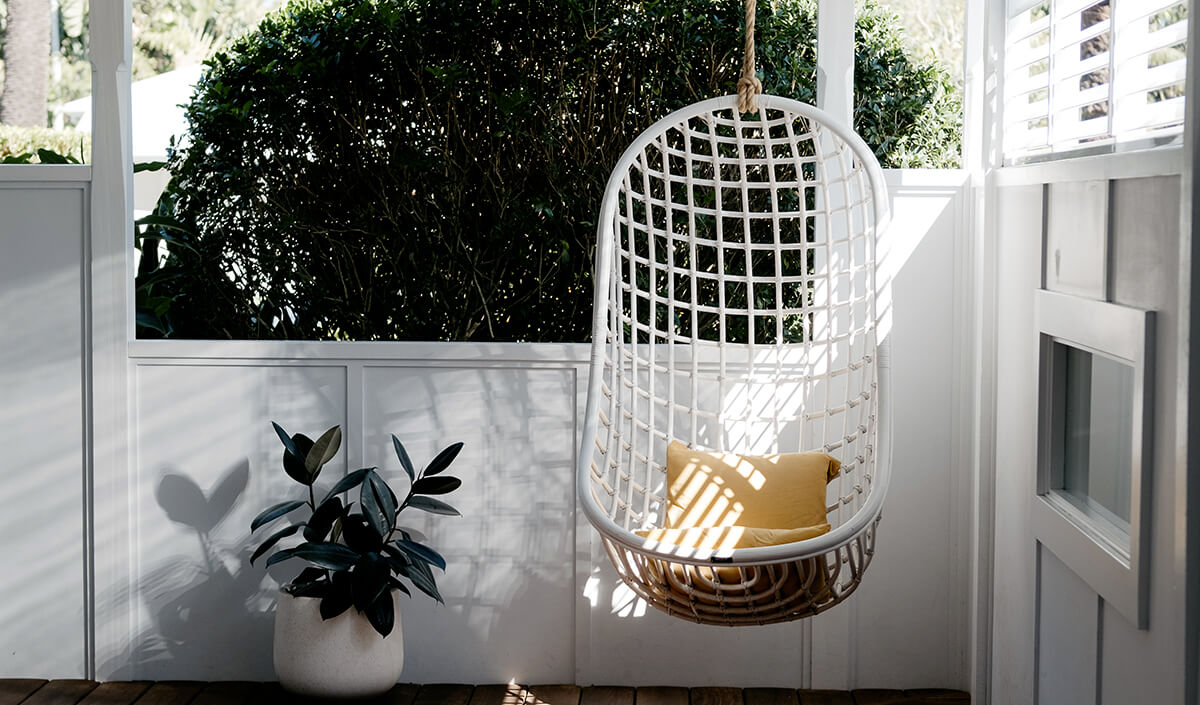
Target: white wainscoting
{"x": 529, "y": 594}
{"x": 42, "y": 282}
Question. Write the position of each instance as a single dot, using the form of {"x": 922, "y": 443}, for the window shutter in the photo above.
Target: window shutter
{"x": 1082, "y": 73}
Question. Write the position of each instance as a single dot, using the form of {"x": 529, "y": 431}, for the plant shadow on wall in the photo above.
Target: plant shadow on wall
{"x": 200, "y": 606}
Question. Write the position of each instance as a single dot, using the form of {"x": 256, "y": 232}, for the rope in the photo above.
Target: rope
{"x": 748, "y": 86}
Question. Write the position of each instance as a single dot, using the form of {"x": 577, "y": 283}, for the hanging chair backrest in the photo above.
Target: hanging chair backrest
{"x": 736, "y": 303}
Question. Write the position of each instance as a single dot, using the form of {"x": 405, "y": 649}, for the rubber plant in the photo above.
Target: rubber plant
{"x": 355, "y": 551}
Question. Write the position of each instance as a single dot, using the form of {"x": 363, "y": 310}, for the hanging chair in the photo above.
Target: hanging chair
{"x": 737, "y": 303}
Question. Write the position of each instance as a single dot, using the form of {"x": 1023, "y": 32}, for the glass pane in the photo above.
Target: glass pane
{"x": 1098, "y": 432}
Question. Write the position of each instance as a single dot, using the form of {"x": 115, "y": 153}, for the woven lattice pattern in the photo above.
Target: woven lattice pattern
{"x": 738, "y": 313}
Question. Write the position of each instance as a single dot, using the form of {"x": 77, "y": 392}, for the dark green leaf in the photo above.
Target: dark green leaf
{"x": 381, "y": 613}
{"x": 348, "y": 482}
{"x": 392, "y": 550}
{"x": 325, "y": 555}
{"x": 377, "y": 503}
{"x": 422, "y": 578}
{"x": 312, "y": 588}
{"x": 148, "y": 166}
{"x": 443, "y": 460}
{"x": 321, "y": 522}
{"x": 166, "y": 221}
{"x": 370, "y": 578}
{"x": 360, "y": 535}
{"x": 405, "y": 462}
{"x": 422, "y": 552}
{"x": 274, "y": 512}
{"x": 310, "y": 574}
{"x": 323, "y": 451}
{"x": 434, "y": 506}
{"x": 397, "y": 585}
{"x": 340, "y": 597}
{"x": 47, "y": 156}
{"x": 436, "y": 485}
{"x": 274, "y": 539}
{"x": 285, "y": 438}
{"x": 293, "y": 463}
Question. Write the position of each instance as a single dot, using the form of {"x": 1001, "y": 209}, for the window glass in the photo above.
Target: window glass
{"x": 1097, "y": 434}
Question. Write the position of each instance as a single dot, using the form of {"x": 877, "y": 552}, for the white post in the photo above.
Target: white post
{"x": 835, "y": 58}
{"x": 109, "y": 328}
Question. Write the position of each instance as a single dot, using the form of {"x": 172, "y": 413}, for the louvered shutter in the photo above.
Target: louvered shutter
{"x": 1090, "y": 73}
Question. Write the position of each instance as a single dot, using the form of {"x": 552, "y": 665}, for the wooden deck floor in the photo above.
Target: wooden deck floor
{"x": 79, "y": 692}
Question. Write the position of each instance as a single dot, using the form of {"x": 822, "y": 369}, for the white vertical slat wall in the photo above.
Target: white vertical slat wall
{"x": 1088, "y": 74}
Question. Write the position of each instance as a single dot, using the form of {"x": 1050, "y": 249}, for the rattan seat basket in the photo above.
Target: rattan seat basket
{"x": 738, "y": 307}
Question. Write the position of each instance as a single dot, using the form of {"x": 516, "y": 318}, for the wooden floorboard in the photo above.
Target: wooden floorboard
{"x": 717, "y": 696}
{"x": 825, "y": 697}
{"x": 661, "y": 695}
{"x": 770, "y": 696}
{"x": 553, "y": 695}
{"x": 499, "y": 694}
{"x": 116, "y": 693}
{"x": 14, "y": 690}
{"x": 171, "y": 693}
{"x": 228, "y": 693}
{"x": 63, "y": 692}
{"x": 607, "y": 695}
{"x": 444, "y": 694}
{"x": 25, "y": 691}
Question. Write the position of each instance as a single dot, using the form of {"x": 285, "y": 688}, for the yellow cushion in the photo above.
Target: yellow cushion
{"x": 784, "y": 491}
{"x": 723, "y": 537}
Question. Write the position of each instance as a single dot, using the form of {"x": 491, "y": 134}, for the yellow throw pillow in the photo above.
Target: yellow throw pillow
{"x": 784, "y": 491}
{"x": 725, "y": 537}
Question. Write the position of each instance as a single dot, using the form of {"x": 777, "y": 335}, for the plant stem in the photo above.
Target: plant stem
{"x": 312, "y": 499}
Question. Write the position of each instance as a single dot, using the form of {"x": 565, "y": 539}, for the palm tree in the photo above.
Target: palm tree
{"x": 26, "y": 63}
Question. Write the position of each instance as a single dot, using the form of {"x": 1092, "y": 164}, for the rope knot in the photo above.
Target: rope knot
{"x": 748, "y": 86}
{"x": 748, "y": 90}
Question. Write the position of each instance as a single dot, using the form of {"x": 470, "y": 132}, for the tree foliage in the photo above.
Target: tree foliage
{"x": 167, "y": 34}
{"x": 394, "y": 169}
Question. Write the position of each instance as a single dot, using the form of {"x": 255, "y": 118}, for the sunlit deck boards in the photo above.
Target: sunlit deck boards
{"x": 79, "y": 692}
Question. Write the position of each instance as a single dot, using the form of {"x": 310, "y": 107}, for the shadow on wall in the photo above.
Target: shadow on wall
{"x": 196, "y": 609}
{"x": 509, "y": 582}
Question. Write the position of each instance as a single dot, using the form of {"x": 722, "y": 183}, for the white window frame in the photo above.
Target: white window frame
{"x": 1084, "y": 540}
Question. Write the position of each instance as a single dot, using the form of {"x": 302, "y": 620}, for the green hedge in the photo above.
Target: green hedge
{"x": 21, "y": 144}
{"x": 395, "y": 169}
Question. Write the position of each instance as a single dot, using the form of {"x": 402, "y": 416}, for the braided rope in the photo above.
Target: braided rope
{"x": 748, "y": 86}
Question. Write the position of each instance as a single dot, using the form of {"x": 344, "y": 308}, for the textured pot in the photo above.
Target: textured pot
{"x": 343, "y": 657}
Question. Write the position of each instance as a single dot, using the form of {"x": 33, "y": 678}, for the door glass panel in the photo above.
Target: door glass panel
{"x": 1097, "y": 433}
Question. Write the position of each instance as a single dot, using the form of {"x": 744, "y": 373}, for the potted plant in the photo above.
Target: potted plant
{"x": 358, "y": 557}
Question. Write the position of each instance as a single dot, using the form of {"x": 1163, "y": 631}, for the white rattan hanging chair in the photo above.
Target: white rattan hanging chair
{"x": 737, "y": 308}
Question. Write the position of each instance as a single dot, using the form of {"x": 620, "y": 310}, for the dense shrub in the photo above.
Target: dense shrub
{"x": 22, "y": 143}
{"x": 395, "y": 169}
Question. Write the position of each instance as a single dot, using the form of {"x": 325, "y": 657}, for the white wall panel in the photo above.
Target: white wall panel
{"x": 42, "y": 586}
{"x": 509, "y": 584}
{"x": 920, "y": 557}
{"x": 207, "y": 462}
{"x": 1068, "y": 614}
{"x": 1019, "y": 242}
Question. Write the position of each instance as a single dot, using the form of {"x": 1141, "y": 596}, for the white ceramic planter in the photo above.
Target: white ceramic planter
{"x": 343, "y": 657}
